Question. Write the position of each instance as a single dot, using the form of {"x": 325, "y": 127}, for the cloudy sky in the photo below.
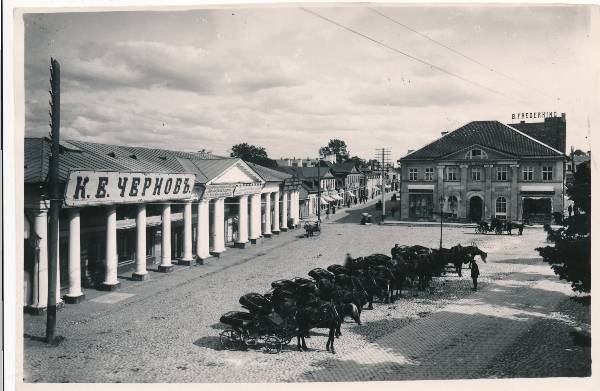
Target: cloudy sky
{"x": 287, "y": 80}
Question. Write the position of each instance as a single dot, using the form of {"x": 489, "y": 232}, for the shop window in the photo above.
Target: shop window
{"x": 547, "y": 173}
{"x": 476, "y": 173}
{"x": 501, "y": 173}
{"x": 429, "y": 174}
{"x": 501, "y": 207}
{"x": 527, "y": 173}
{"x": 452, "y": 206}
{"x": 413, "y": 174}
{"x": 451, "y": 174}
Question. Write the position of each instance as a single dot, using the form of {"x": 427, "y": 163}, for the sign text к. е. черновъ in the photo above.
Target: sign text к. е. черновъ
{"x": 97, "y": 187}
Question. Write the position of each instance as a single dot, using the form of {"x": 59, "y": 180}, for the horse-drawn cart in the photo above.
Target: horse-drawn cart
{"x": 312, "y": 228}
{"x": 247, "y": 329}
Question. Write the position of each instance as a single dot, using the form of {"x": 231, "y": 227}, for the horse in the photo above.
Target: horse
{"x": 325, "y": 315}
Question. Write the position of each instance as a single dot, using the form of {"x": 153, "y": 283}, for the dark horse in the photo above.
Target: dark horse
{"x": 325, "y": 315}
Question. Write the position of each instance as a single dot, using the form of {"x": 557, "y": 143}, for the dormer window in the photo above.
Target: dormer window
{"x": 476, "y": 154}
{"x": 112, "y": 154}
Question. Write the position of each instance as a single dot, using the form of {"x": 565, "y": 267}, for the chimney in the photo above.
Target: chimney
{"x": 410, "y": 151}
{"x": 444, "y": 133}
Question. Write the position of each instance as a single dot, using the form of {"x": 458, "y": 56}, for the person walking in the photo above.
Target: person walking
{"x": 327, "y": 214}
{"x": 474, "y": 274}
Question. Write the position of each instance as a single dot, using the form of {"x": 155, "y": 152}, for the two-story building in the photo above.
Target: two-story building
{"x": 482, "y": 170}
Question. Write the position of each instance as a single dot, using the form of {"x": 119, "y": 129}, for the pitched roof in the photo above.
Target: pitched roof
{"x": 81, "y": 155}
{"x": 269, "y": 174}
{"x": 491, "y": 134}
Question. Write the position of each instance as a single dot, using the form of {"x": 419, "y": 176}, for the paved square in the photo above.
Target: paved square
{"x": 519, "y": 323}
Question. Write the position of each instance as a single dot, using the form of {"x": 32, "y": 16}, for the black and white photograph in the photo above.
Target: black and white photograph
{"x": 302, "y": 193}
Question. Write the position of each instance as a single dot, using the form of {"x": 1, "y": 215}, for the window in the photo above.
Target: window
{"x": 527, "y": 173}
{"x": 547, "y": 173}
{"x": 413, "y": 173}
{"x": 501, "y": 173}
{"x": 501, "y": 206}
{"x": 476, "y": 173}
{"x": 451, "y": 174}
{"x": 476, "y": 154}
{"x": 429, "y": 174}
{"x": 452, "y": 206}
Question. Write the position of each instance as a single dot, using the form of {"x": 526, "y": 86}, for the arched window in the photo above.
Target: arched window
{"x": 476, "y": 153}
{"x": 501, "y": 207}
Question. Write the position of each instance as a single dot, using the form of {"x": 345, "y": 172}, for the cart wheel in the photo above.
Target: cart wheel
{"x": 272, "y": 344}
{"x": 230, "y": 339}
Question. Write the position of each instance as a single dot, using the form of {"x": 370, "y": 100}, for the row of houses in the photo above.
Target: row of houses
{"x": 129, "y": 209}
{"x": 341, "y": 184}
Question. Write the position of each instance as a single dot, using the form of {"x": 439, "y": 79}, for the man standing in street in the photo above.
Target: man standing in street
{"x": 474, "y": 274}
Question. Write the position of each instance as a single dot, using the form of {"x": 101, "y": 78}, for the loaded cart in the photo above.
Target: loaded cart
{"x": 260, "y": 326}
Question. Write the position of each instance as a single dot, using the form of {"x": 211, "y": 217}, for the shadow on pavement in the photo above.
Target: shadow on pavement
{"x": 211, "y": 342}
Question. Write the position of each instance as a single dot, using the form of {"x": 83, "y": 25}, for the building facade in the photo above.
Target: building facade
{"x": 481, "y": 171}
{"x": 127, "y": 209}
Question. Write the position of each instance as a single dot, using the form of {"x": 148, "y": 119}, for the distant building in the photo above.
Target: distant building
{"x": 487, "y": 169}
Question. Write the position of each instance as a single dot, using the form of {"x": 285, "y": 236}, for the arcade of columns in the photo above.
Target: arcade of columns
{"x": 251, "y": 230}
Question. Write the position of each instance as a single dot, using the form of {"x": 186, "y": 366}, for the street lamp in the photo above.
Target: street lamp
{"x": 441, "y": 200}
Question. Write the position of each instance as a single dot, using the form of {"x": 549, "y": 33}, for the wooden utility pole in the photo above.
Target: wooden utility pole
{"x": 55, "y": 202}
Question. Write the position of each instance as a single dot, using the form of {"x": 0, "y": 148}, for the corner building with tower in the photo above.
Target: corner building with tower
{"x": 485, "y": 170}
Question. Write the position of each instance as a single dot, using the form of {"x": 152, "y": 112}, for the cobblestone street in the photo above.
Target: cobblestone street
{"x": 521, "y": 323}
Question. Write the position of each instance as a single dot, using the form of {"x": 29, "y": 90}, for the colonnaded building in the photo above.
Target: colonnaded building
{"x": 487, "y": 169}
{"x": 130, "y": 209}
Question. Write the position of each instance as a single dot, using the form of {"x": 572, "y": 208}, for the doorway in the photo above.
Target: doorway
{"x": 475, "y": 208}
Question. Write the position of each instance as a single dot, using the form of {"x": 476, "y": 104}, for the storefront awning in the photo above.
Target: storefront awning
{"x": 323, "y": 202}
{"x": 420, "y": 187}
{"x": 350, "y": 193}
{"x": 537, "y": 188}
{"x": 337, "y": 197}
{"x": 326, "y": 198}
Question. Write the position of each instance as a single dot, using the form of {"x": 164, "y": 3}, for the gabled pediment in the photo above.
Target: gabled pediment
{"x": 237, "y": 173}
{"x": 487, "y": 152}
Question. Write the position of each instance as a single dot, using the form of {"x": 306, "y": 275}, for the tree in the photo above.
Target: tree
{"x": 252, "y": 154}
{"x": 336, "y": 147}
{"x": 358, "y": 162}
{"x": 570, "y": 257}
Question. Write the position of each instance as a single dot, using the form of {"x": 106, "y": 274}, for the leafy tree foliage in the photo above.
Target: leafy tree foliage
{"x": 338, "y": 148}
{"x": 358, "y": 162}
{"x": 252, "y": 153}
{"x": 570, "y": 256}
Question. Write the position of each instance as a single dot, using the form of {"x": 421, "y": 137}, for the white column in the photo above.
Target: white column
{"x": 187, "y": 235}
{"x": 202, "y": 240}
{"x": 284, "y": 211}
{"x": 242, "y": 222}
{"x": 276, "y": 213}
{"x": 267, "y": 232}
{"x": 39, "y": 298}
{"x": 110, "y": 280}
{"x": 296, "y": 200}
{"x": 218, "y": 226}
{"x": 58, "y": 296}
{"x": 165, "y": 251}
{"x": 75, "y": 295}
{"x": 255, "y": 221}
{"x": 140, "y": 273}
